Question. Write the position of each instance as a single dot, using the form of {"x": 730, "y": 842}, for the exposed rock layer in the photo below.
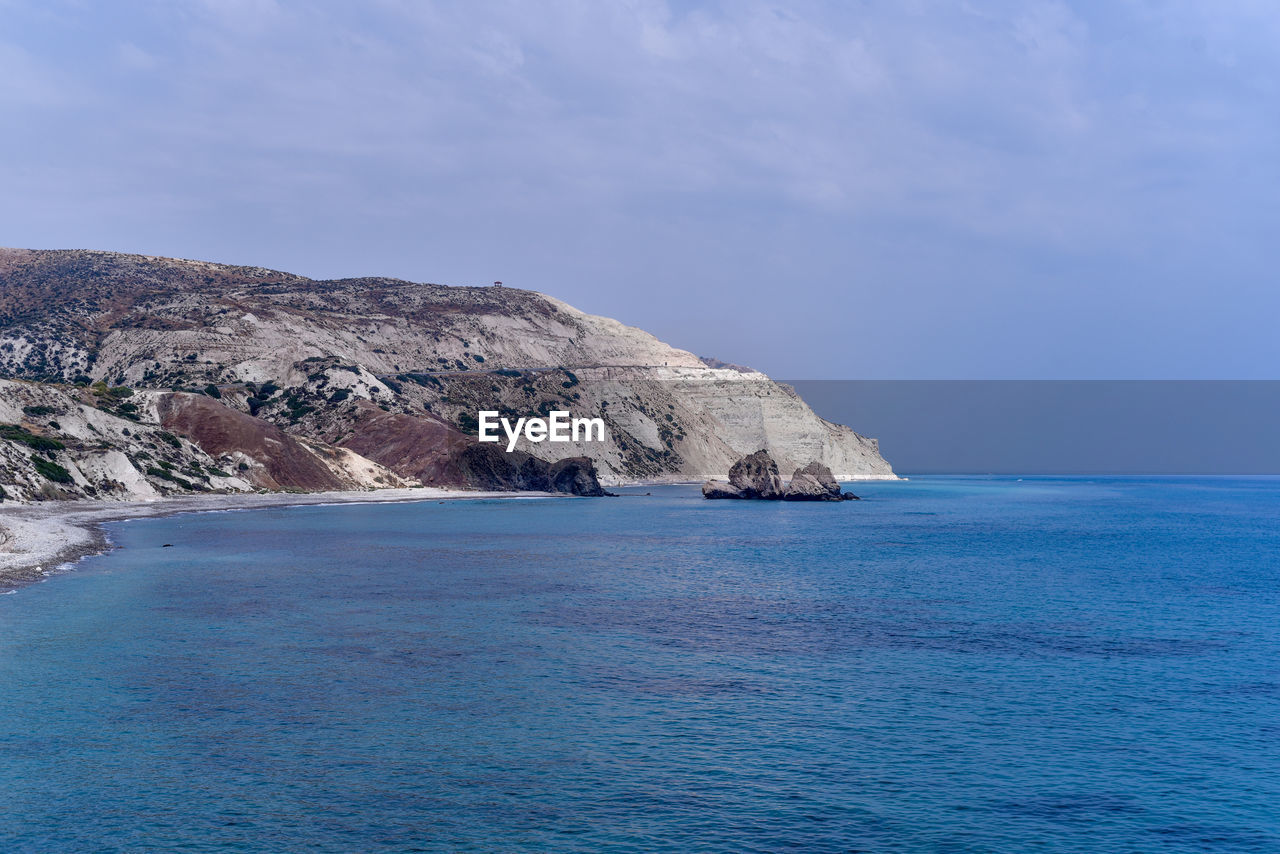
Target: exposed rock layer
{"x": 268, "y": 457}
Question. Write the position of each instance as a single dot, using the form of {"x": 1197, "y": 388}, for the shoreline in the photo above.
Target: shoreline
{"x": 863, "y": 478}
{"x": 38, "y": 540}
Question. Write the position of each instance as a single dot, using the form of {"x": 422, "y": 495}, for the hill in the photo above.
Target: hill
{"x": 379, "y": 379}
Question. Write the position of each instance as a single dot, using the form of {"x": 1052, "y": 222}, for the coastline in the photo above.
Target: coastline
{"x": 623, "y": 484}
{"x": 36, "y": 540}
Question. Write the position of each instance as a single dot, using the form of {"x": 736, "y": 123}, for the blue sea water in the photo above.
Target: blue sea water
{"x": 951, "y": 665}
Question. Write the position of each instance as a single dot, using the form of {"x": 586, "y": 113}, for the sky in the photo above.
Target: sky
{"x": 843, "y": 190}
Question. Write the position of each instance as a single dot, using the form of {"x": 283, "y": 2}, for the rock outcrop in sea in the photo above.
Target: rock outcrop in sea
{"x": 755, "y": 477}
{"x": 815, "y": 482}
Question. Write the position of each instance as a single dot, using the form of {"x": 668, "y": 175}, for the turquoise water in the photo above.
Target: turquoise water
{"x": 952, "y": 665}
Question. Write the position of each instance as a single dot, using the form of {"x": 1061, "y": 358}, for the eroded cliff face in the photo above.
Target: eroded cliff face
{"x": 268, "y": 457}
{"x": 60, "y": 442}
{"x": 392, "y": 372}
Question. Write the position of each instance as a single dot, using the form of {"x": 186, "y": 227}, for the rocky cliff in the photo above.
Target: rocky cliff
{"x": 363, "y": 381}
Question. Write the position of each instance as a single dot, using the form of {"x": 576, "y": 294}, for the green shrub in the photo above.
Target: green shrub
{"x": 115, "y": 393}
{"x": 169, "y": 476}
{"x": 212, "y": 391}
{"x": 297, "y": 412}
{"x": 51, "y": 470}
{"x": 170, "y": 438}
{"x": 340, "y": 395}
{"x": 421, "y": 379}
{"x": 16, "y": 433}
{"x": 37, "y": 411}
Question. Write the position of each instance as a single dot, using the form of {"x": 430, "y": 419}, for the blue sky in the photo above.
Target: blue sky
{"x": 821, "y": 190}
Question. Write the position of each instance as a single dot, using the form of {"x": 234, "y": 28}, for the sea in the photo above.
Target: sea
{"x": 953, "y": 664}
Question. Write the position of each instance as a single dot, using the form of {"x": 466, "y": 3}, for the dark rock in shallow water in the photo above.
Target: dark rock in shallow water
{"x": 814, "y": 482}
{"x": 756, "y": 476}
{"x": 720, "y": 489}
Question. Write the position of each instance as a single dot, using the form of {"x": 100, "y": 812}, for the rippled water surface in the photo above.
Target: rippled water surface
{"x": 952, "y": 665}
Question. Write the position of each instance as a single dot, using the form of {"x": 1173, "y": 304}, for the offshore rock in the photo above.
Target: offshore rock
{"x": 814, "y": 482}
{"x": 720, "y": 489}
{"x": 756, "y": 476}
